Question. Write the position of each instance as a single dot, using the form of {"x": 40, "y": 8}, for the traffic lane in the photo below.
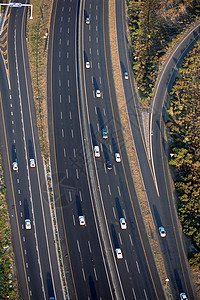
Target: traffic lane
{"x": 75, "y": 199}
{"x": 72, "y": 165}
{"x": 8, "y": 182}
{"x": 23, "y": 188}
{"x": 141, "y": 146}
{"x": 18, "y": 54}
{"x": 95, "y": 284}
{"x": 169, "y": 220}
{"x": 31, "y": 264}
{"x": 98, "y": 76}
{"x": 121, "y": 26}
{"x": 101, "y": 165}
{"x": 46, "y": 236}
{"x": 174, "y": 272}
{"x": 84, "y": 251}
{"x": 100, "y": 114}
{"x": 95, "y": 128}
{"x": 58, "y": 11}
{"x": 65, "y": 133}
{"x": 94, "y": 48}
{"x": 135, "y": 266}
{"x": 20, "y": 179}
{"x": 117, "y": 206}
{"x": 177, "y": 274}
{"x": 39, "y": 197}
{"x": 21, "y": 195}
{"x": 34, "y": 183}
{"x": 42, "y": 241}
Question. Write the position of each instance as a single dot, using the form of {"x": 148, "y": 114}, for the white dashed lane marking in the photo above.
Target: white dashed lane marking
{"x": 109, "y": 189}
{"x": 126, "y": 266}
{"x": 89, "y": 245}
{"x": 64, "y": 151}
{"x": 138, "y": 267}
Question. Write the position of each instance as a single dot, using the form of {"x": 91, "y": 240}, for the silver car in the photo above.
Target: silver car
{"x": 162, "y": 231}
{"x": 27, "y": 224}
{"x": 87, "y": 20}
{"x": 126, "y": 75}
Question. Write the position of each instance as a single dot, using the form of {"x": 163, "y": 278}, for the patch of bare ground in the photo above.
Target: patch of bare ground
{"x": 131, "y": 152}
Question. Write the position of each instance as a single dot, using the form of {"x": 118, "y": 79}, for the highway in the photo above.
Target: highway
{"x": 83, "y": 255}
{"x": 137, "y": 270}
{"x": 154, "y": 160}
{"x": 82, "y": 184}
{"x": 36, "y": 257}
{"x": 87, "y": 267}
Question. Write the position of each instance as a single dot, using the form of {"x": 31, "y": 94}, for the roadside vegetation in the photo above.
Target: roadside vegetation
{"x": 8, "y": 280}
{"x": 37, "y": 43}
{"x": 154, "y": 25}
{"x": 184, "y": 122}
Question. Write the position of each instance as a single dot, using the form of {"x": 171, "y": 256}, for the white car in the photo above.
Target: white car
{"x": 162, "y": 231}
{"x": 87, "y": 20}
{"x": 183, "y": 296}
{"x": 126, "y": 75}
{"x": 28, "y": 224}
{"x": 117, "y": 157}
{"x": 119, "y": 253}
{"x": 87, "y": 65}
{"x": 15, "y": 166}
{"x": 98, "y": 93}
{"x": 32, "y": 163}
{"x": 81, "y": 220}
{"x": 123, "y": 223}
{"x": 96, "y": 151}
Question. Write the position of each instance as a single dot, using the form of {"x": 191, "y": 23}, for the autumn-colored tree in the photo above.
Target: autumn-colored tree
{"x": 184, "y": 114}
{"x": 153, "y": 24}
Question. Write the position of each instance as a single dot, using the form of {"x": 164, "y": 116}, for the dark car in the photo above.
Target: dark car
{"x": 104, "y": 133}
{"x": 108, "y": 165}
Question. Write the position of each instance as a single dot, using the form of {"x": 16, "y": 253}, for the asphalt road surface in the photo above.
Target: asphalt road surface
{"x": 83, "y": 255}
{"x": 36, "y": 258}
